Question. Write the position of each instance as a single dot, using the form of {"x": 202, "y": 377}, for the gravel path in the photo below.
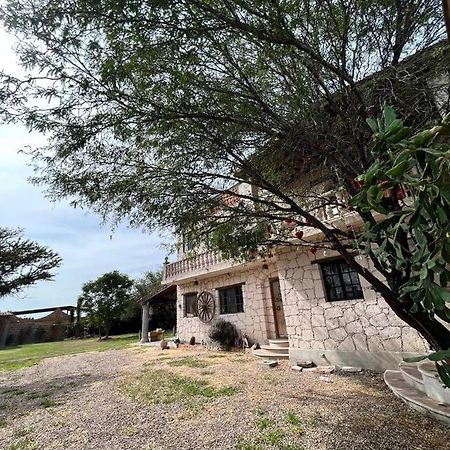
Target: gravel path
{"x": 85, "y": 402}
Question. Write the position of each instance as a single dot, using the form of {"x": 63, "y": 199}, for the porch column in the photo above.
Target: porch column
{"x": 145, "y": 319}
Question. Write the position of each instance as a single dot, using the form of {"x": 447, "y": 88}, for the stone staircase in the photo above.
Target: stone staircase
{"x": 420, "y": 388}
{"x": 277, "y": 349}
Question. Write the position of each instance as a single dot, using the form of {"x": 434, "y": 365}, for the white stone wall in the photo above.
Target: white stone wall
{"x": 349, "y": 325}
{"x": 257, "y": 320}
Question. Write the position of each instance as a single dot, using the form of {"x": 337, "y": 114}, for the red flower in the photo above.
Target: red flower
{"x": 299, "y": 234}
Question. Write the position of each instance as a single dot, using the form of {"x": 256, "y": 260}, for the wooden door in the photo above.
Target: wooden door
{"x": 278, "y": 310}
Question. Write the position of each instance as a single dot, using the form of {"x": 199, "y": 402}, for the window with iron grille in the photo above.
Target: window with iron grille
{"x": 231, "y": 300}
{"x": 190, "y": 304}
{"x": 341, "y": 282}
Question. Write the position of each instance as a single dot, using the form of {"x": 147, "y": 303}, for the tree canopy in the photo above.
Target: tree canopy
{"x": 157, "y": 109}
{"x": 23, "y": 262}
{"x": 106, "y": 299}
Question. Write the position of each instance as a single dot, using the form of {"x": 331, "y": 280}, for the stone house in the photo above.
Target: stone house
{"x": 315, "y": 302}
{"x": 16, "y": 330}
{"x": 320, "y": 306}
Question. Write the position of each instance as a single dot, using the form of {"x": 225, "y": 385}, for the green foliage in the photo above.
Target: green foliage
{"x": 263, "y": 423}
{"x": 293, "y": 419}
{"x": 23, "y": 262}
{"x": 106, "y": 299}
{"x": 39, "y": 333}
{"x": 409, "y": 185}
{"x": 223, "y": 332}
{"x": 149, "y": 283}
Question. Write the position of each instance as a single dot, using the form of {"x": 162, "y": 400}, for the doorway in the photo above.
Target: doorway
{"x": 278, "y": 310}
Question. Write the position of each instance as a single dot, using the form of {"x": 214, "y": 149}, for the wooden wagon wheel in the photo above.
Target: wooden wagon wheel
{"x": 206, "y": 306}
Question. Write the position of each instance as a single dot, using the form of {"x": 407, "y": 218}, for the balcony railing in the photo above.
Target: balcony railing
{"x": 191, "y": 263}
{"x": 209, "y": 259}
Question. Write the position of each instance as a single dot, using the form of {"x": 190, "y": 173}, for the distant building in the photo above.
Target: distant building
{"x": 15, "y": 330}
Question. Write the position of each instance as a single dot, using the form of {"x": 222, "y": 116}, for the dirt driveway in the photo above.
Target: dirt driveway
{"x": 145, "y": 399}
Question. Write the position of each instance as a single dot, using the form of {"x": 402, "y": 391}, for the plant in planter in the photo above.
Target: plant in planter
{"x": 225, "y": 333}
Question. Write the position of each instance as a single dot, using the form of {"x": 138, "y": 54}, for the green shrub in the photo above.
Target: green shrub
{"x": 225, "y": 333}
{"x": 39, "y": 333}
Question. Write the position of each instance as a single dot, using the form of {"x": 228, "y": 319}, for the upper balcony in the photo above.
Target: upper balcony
{"x": 197, "y": 266}
{"x": 190, "y": 267}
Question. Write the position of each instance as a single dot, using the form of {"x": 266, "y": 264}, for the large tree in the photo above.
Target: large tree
{"x": 23, "y": 262}
{"x": 158, "y": 108}
{"x": 106, "y": 299}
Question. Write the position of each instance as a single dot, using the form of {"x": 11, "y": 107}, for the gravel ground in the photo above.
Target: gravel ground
{"x": 89, "y": 401}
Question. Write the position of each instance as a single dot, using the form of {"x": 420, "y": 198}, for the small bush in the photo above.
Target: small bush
{"x": 39, "y": 333}
{"x": 225, "y": 333}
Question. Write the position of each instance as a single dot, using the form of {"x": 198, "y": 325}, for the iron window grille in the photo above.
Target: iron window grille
{"x": 341, "y": 282}
{"x": 231, "y": 300}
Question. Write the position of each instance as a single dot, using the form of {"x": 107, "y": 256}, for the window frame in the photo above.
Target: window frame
{"x": 220, "y": 292}
{"x": 343, "y": 285}
{"x": 185, "y": 312}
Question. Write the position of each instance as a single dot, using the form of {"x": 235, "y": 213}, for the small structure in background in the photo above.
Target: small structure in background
{"x": 15, "y": 330}
{"x": 158, "y": 310}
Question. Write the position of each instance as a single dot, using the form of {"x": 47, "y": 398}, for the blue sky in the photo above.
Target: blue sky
{"x": 77, "y": 236}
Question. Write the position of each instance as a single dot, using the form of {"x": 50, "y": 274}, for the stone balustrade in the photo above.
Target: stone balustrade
{"x": 191, "y": 263}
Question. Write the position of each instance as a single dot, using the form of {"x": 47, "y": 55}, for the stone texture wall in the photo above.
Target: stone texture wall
{"x": 257, "y": 320}
{"x": 16, "y": 330}
{"x": 349, "y": 325}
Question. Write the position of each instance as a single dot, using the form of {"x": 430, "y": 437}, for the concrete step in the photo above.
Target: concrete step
{"x": 412, "y": 376}
{"x": 273, "y": 348}
{"x": 283, "y": 343}
{"x": 262, "y": 353}
{"x": 415, "y": 398}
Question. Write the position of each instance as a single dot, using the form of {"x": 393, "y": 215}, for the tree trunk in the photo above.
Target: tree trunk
{"x": 435, "y": 333}
{"x": 446, "y": 12}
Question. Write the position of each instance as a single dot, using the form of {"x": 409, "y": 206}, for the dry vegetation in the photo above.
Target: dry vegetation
{"x": 194, "y": 399}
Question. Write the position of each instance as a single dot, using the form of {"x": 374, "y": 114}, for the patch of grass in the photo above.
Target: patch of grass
{"x": 273, "y": 437}
{"x": 263, "y": 423}
{"x": 244, "y": 445}
{"x": 3, "y": 423}
{"x": 261, "y": 411}
{"x": 314, "y": 420}
{"x": 217, "y": 355}
{"x": 48, "y": 403}
{"x": 162, "y": 386}
{"x": 293, "y": 419}
{"x": 22, "y": 432}
{"x": 189, "y": 361}
{"x": 292, "y": 447}
{"x": 207, "y": 372}
{"x": 13, "y": 391}
{"x": 130, "y": 431}
{"x": 30, "y": 354}
{"x": 23, "y": 444}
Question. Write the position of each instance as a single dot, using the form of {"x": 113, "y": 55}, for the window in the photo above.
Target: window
{"x": 190, "y": 304}
{"x": 341, "y": 282}
{"x": 231, "y": 300}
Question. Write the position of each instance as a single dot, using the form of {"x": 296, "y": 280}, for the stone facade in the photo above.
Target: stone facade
{"x": 257, "y": 320}
{"x": 365, "y": 326}
{"x": 16, "y": 330}
{"x": 350, "y": 325}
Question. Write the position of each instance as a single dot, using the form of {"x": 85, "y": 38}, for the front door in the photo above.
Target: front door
{"x": 277, "y": 302}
